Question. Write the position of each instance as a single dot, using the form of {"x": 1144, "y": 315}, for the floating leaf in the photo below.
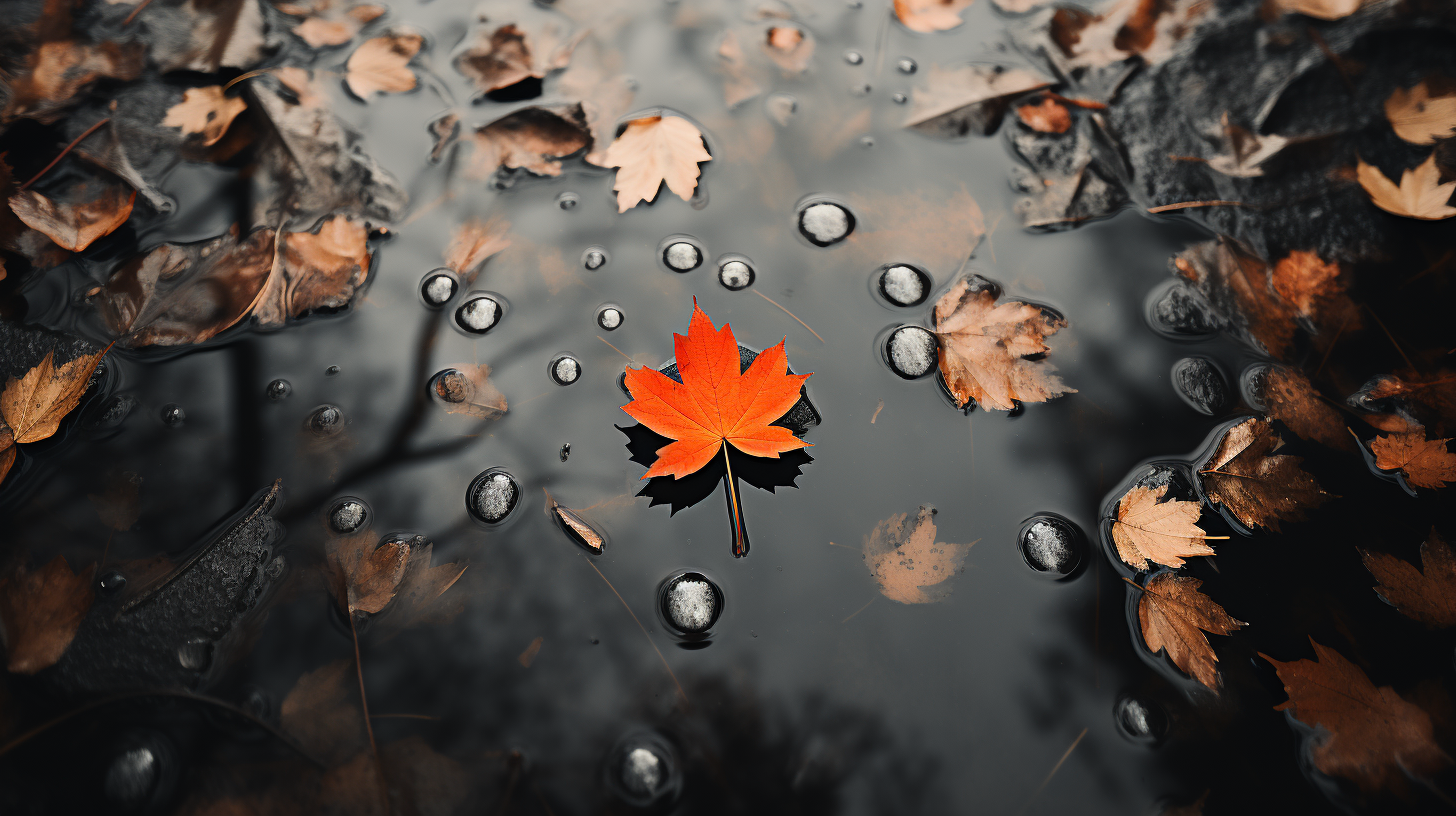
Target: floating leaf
{"x": 1148, "y": 529}
{"x": 1427, "y": 594}
{"x": 1171, "y": 614}
{"x": 381, "y": 65}
{"x": 1420, "y": 118}
{"x": 927, "y": 16}
{"x": 1420, "y": 194}
{"x": 93, "y": 210}
{"x": 533, "y": 139}
{"x": 34, "y": 403}
{"x": 1424, "y": 462}
{"x": 909, "y": 564}
{"x": 1260, "y": 486}
{"x": 206, "y": 112}
{"x": 653, "y": 151}
{"x": 972, "y": 98}
{"x": 984, "y": 347}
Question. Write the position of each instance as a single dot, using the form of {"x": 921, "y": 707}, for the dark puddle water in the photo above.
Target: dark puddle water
{"x": 832, "y": 698}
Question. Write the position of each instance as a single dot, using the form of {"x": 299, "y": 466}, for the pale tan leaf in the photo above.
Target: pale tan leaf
{"x": 533, "y": 139}
{"x": 972, "y": 98}
{"x": 904, "y": 557}
{"x": 205, "y": 112}
{"x": 984, "y": 347}
{"x": 1319, "y": 9}
{"x": 1420, "y": 194}
{"x": 1420, "y": 118}
{"x": 652, "y": 151}
{"x": 473, "y": 243}
{"x": 381, "y": 65}
{"x": 101, "y": 210}
{"x": 1148, "y": 529}
{"x": 927, "y": 16}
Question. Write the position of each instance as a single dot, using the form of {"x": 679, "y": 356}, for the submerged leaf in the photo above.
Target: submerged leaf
{"x": 206, "y": 112}
{"x": 315, "y": 270}
{"x": 1291, "y": 399}
{"x": 1171, "y": 614}
{"x": 473, "y": 244}
{"x": 909, "y": 564}
{"x": 92, "y": 210}
{"x": 653, "y": 151}
{"x": 984, "y": 347}
{"x": 500, "y": 56}
{"x": 469, "y": 391}
{"x": 972, "y": 98}
{"x": 1148, "y": 529}
{"x": 533, "y": 139}
{"x": 927, "y": 16}
{"x": 41, "y": 612}
{"x": 1427, "y": 594}
{"x": 364, "y": 574}
{"x": 1424, "y": 462}
{"x": 381, "y": 65}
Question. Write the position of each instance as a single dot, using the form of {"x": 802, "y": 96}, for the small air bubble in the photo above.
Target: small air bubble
{"x": 735, "y": 275}
{"x": 609, "y": 318}
{"x": 173, "y": 416}
{"x": 594, "y": 258}
{"x": 568, "y": 201}
{"x": 866, "y": 141}
{"x": 195, "y": 654}
{"x": 331, "y": 371}
{"x": 112, "y": 582}
{"x": 438, "y": 287}
{"x": 860, "y": 89}
{"x": 899, "y": 98}
{"x": 279, "y": 390}
{"x": 682, "y": 256}
{"x": 853, "y": 57}
{"x": 906, "y": 65}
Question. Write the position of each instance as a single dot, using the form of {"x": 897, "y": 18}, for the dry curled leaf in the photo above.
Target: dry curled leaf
{"x": 59, "y": 70}
{"x": 1319, "y": 9}
{"x": 579, "y": 529}
{"x": 653, "y": 151}
{"x": 1291, "y": 399}
{"x": 468, "y": 390}
{"x": 90, "y": 211}
{"x": 1148, "y": 529}
{"x": 927, "y": 16}
{"x": 34, "y": 403}
{"x": 315, "y": 270}
{"x": 1420, "y": 194}
{"x": 972, "y": 98}
{"x": 1171, "y": 614}
{"x": 904, "y": 557}
{"x": 205, "y": 112}
{"x": 1256, "y": 483}
{"x": 1375, "y": 738}
{"x": 1424, "y": 462}
{"x": 473, "y": 243}
{"x": 1046, "y": 116}
{"x": 1427, "y": 594}
{"x": 1420, "y": 118}
{"x": 984, "y": 347}
{"x": 41, "y": 611}
{"x": 364, "y": 573}
{"x": 381, "y": 65}
{"x": 534, "y": 139}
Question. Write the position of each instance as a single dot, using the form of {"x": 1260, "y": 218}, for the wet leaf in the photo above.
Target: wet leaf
{"x": 1019, "y": 6}
{"x": 738, "y": 85}
{"x": 576, "y": 526}
{"x": 910, "y": 566}
{"x": 206, "y": 112}
{"x": 791, "y": 48}
{"x": 1125, "y": 28}
{"x": 1375, "y": 738}
{"x": 500, "y": 56}
{"x": 596, "y": 81}
{"x": 1424, "y": 462}
{"x": 715, "y": 404}
{"x": 58, "y": 71}
{"x": 1172, "y": 612}
{"x": 473, "y": 243}
{"x": 92, "y": 210}
{"x": 1148, "y": 529}
{"x": 972, "y": 98}
{"x": 1420, "y": 194}
{"x": 321, "y": 714}
{"x": 653, "y": 151}
{"x": 330, "y": 22}
{"x": 1315, "y": 289}
{"x": 468, "y": 390}
{"x": 421, "y": 598}
{"x": 34, "y": 403}
{"x": 1430, "y": 398}
{"x": 1427, "y": 594}
{"x": 315, "y": 270}
{"x": 935, "y": 228}
{"x": 1046, "y": 116}
{"x": 41, "y": 611}
{"x": 365, "y": 573}
{"x": 984, "y": 347}
{"x": 1247, "y": 151}
{"x": 1319, "y": 9}
{"x": 120, "y": 505}
{"x": 1260, "y": 486}
{"x": 927, "y": 16}
{"x": 381, "y": 65}
{"x": 1291, "y": 399}
{"x": 533, "y": 139}
{"x": 1420, "y": 118}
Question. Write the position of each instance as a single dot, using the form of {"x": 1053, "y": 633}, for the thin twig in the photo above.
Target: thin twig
{"x": 1055, "y": 768}
{"x": 789, "y": 313}
{"x": 368, "y": 724}
{"x": 134, "y": 12}
{"x": 240, "y": 77}
{"x": 87, "y": 132}
{"x": 614, "y": 348}
{"x": 644, "y": 631}
{"x": 861, "y": 609}
{"x": 1188, "y": 205}
{"x": 1398, "y": 349}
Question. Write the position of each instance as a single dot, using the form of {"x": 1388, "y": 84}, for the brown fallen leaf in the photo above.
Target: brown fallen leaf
{"x": 500, "y": 56}
{"x": 92, "y": 210}
{"x": 1420, "y": 194}
{"x": 1148, "y": 529}
{"x": 938, "y": 229}
{"x": 321, "y": 714}
{"x": 653, "y": 151}
{"x": 1237, "y": 284}
{"x": 1420, "y": 118}
{"x": 1125, "y": 28}
{"x": 790, "y": 47}
{"x": 1430, "y": 398}
{"x": 59, "y": 70}
{"x": 330, "y": 22}
{"x": 1172, "y": 612}
{"x": 34, "y": 403}
{"x": 1315, "y": 289}
{"x": 1375, "y": 738}
{"x": 1291, "y": 399}
{"x": 41, "y": 611}
{"x": 7, "y": 453}
{"x": 1319, "y": 9}
{"x": 421, "y": 598}
{"x": 1424, "y": 462}
{"x": 984, "y": 347}
{"x": 533, "y": 139}
{"x": 206, "y": 112}
{"x": 468, "y": 390}
{"x": 1428, "y": 594}
{"x": 316, "y": 270}
{"x": 928, "y": 16}
{"x": 971, "y": 98}
{"x": 738, "y": 85}
{"x": 1258, "y": 485}
{"x": 119, "y": 506}
{"x": 1047, "y": 116}
{"x": 1019, "y": 6}
{"x": 904, "y": 557}
{"x": 473, "y": 243}
{"x": 577, "y": 528}
{"x": 595, "y": 80}
{"x": 364, "y": 573}
{"x": 1194, "y": 808}
{"x": 381, "y": 65}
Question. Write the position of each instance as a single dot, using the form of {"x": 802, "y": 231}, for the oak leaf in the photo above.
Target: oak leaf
{"x": 1420, "y": 118}
{"x": 716, "y": 404}
{"x": 984, "y": 347}
{"x": 1319, "y": 9}
{"x": 205, "y": 112}
{"x": 41, "y": 611}
{"x": 364, "y": 573}
{"x": 94, "y": 210}
{"x": 1427, "y": 594}
{"x": 928, "y": 16}
{"x": 972, "y": 98}
{"x": 908, "y": 563}
{"x": 1148, "y": 529}
{"x": 34, "y": 403}
{"x": 533, "y": 139}
{"x": 1047, "y": 116}
{"x": 1375, "y": 738}
{"x": 1420, "y": 194}
{"x": 1258, "y": 485}
{"x": 1424, "y": 462}
{"x": 1172, "y": 612}
{"x": 381, "y": 65}
{"x": 653, "y": 151}
{"x": 1291, "y": 399}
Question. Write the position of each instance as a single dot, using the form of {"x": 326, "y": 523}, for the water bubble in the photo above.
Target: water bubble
{"x": 325, "y": 420}
{"x": 173, "y": 416}
{"x": 1051, "y": 544}
{"x": 131, "y": 776}
{"x": 609, "y": 318}
{"x": 899, "y": 98}
{"x": 256, "y": 702}
{"x": 195, "y": 654}
{"x": 866, "y": 141}
{"x": 565, "y": 450}
{"x": 568, "y": 201}
{"x": 912, "y": 351}
{"x": 691, "y": 603}
{"x": 594, "y": 258}
{"x": 1139, "y": 720}
{"x": 438, "y": 287}
{"x": 853, "y": 57}
{"x": 682, "y": 256}
{"x": 348, "y": 515}
{"x": 860, "y": 89}
{"x": 478, "y": 314}
{"x": 735, "y": 275}
{"x": 331, "y": 371}
{"x": 565, "y": 370}
{"x": 1200, "y": 384}
{"x": 825, "y": 223}
{"x": 906, "y": 65}
{"x": 492, "y": 496}
{"x": 278, "y": 390}
{"x": 643, "y": 770}
{"x": 904, "y": 285}
{"x": 111, "y": 582}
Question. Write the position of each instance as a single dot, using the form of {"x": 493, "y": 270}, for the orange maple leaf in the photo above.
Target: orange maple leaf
{"x": 716, "y": 402}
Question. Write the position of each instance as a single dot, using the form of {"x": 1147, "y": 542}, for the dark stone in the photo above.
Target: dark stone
{"x": 1199, "y": 382}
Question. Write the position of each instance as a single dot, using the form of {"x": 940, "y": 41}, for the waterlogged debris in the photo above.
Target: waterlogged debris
{"x": 904, "y": 285}
{"x": 478, "y": 314}
{"x": 505, "y": 54}
{"x": 653, "y": 151}
{"x": 172, "y": 415}
{"x": 594, "y": 258}
{"x": 41, "y": 612}
{"x": 790, "y": 47}
{"x": 907, "y": 562}
{"x": 1173, "y": 615}
{"x": 348, "y": 515}
{"x": 1253, "y": 481}
{"x": 565, "y": 451}
{"x": 534, "y": 139}
{"x": 565, "y": 370}
{"x": 1140, "y": 720}
{"x": 985, "y": 346}
{"x": 278, "y": 390}
{"x": 1421, "y": 194}
{"x": 825, "y": 223}
{"x": 1428, "y": 594}
{"x": 1201, "y": 385}
{"x": 1423, "y": 462}
{"x": 609, "y": 318}
{"x": 141, "y": 773}
{"x": 928, "y": 16}
{"x": 735, "y": 275}
{"x": 1149, "y": 529}
{"x": 468, "y": 390}
{"x": 1124, "y": 29}
{"x": 781, "y": 107}
{"x": 1046, "y": 116}
{"x": 911, "y": 351}
{"x": 691, "y": 603}
{"x": 438, "y": 287}
{"x": 381, "y": 65}
{"x": 970, "y": 99}
{"x": 1420, "y": 117}
{"x": 576, "y": 528}
{"x": 1051, "y": 544}
{"x": 492, "y": 496}
{"x": 363, "y": 575}
{"x": 76, "y": 217}
{"x": 1182, "y": 310}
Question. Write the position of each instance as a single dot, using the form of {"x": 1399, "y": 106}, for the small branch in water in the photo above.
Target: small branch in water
{"x": 878, "y": 408}
{"x": 789, "y": 313}
{"x": 368, "y": 724}
{"x": 240, "y": 77}
{"x": 614, "y": 348}
{"x": 857, "y": 611}
{"x": 134, "y": 12}
{"x": 1055, "y": 768}
{"x": 87, "y": 132}
{"x": 1188, "y": 205}
{"x": 643, "y": 628}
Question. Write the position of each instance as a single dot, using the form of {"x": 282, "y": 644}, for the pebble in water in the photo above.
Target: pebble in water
{"x": 331, "y": 371}
{"x": 492, "y": 496}
{"x": 825, "y": 223}
{"x": 195, "y": 654}
{"x": 568, "y": 201}
{"x": 594, "y": 258}
{"x": 1199, "y": 382}
{"x": 326, "y": 420}
{"x": 1181, "y": 310}
{"x": 112, "y": 582}
{"x": 682, "y": 256}
{"x": 565, "y": 370}
{"x": 173, "y": 416}
{"x": 131, "y": 776}
{"x": 912, "y": 351}
{"x": 643, "y": 770}
{"x": 565, "y": 450}
{"x": 853, "y": 57}
{"x": 479, "y": 314}
{"x": 438, "y": 287}
{"x": 1139, "y": 720}
{"x": 691, "y": 603}
{"x": 279, "y": 390}
{"x": 735, "y": 275}
{"x": 904, "y": 285}
{"x": 906, "y": 65}
{"x": 899, "y": 98}
{"x": 348, "y": 515}
{"x": 1051, "y": 544}
{"x": 609, "y": 318}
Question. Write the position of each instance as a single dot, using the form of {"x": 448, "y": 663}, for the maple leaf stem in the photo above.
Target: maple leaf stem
{"x": 1132, "y": 582}
{"x": 368, "y": 723}
{"x": 67, "y": 149}
{"x": 735, "y": 510}
{"x": 1226, "y": 473}
{"x": 789, "y": 313}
